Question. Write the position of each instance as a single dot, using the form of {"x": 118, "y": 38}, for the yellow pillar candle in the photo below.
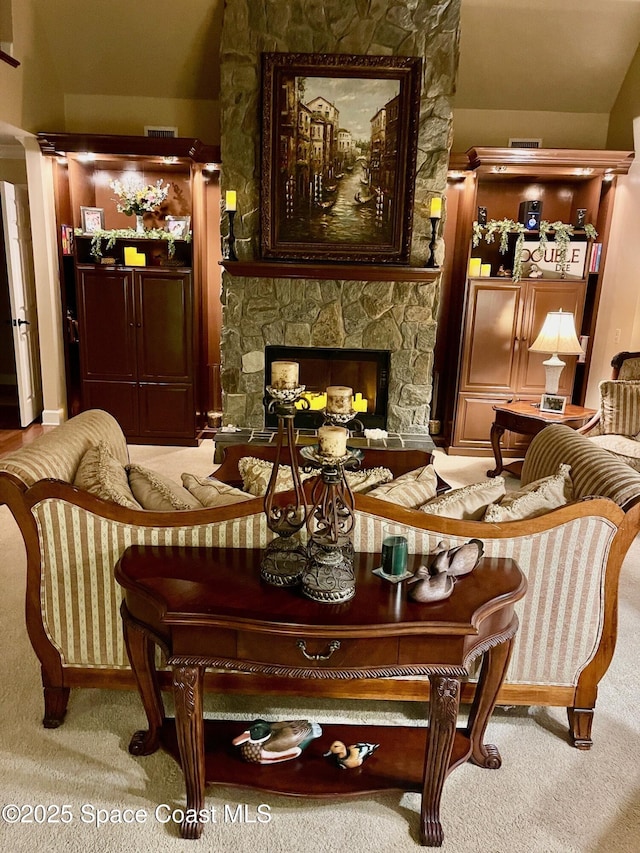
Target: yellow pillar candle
{"x": 284, "y": 374}
{"x": 475, "y": 265}
{"x": 130, "y": 253}
{"x": 339, "y": 399}
{"x": 435, "y": 211}
{"x": 485, "y": 269}
{"x": 230, "y": 200}
{"x": 332, "y": 441}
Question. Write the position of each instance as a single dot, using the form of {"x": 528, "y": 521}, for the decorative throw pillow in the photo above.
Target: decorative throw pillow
{"x": 468, "y": 502}
{"x": 411, "y": 489}
{"x": 104, "y": 476}
{"x": 154, "y": 491}
{"x": 211, "y": 492}
{"x": 256, "y": 474}
{"x": 620, "y": 407}
{"x": 367, "y": 479}
{"x": 537, "y": 498}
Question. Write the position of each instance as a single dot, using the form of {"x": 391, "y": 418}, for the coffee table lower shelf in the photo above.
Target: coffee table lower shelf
{"x": 397, "y": 765}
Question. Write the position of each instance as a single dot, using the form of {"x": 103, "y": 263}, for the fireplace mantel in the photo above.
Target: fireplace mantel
{"x": 319, "y": 271}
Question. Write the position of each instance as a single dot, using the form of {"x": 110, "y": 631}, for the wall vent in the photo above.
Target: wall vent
{"x": 161, "y": 132}
{"x": 525, "y": 143}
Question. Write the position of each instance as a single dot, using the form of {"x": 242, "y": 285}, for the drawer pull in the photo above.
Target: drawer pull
{"x": 334, "y": 645}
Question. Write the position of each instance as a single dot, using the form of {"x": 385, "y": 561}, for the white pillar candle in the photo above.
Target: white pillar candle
{"x": 339, "y": 399}
{"x": 332, "y": 441}
{"x": 284, "y": 374}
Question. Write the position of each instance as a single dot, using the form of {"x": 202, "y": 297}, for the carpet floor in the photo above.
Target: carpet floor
{"x": 547, "y": 798}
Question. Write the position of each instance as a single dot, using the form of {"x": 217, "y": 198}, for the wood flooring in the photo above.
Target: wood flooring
{"x": 14, "y": 439}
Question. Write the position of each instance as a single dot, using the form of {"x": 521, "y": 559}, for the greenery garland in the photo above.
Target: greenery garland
{"x": 114, "y": 234}
{"x": 562, "y": 233}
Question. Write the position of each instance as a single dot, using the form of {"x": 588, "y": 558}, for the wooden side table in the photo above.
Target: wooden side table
{"x": 524, "y": 418}
{"x": 208, "y": 608}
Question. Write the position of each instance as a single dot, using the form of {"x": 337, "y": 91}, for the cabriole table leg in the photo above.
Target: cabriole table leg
{"x": 187, "y": 692}
{"x": 443, "y": 716}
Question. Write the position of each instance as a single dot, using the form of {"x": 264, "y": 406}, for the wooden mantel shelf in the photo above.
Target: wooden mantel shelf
{"x": 347, "y": 272}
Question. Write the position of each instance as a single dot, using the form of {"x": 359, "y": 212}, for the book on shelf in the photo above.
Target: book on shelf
{"x": 596, "y": 254}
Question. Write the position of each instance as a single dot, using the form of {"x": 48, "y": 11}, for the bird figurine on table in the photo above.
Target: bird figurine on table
{"x": 350, "y": 756}
{"x": 435, "y": 581}
{"x": 270, "y": 743}
{"x": 425, "y": 587}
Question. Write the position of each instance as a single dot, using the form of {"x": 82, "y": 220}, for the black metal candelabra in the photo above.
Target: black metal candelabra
{"x": 285, "y": 557}
{"x": 230, "y": 247}
{"x": 432, "y": 245}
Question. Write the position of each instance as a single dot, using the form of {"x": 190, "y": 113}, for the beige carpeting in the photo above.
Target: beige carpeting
{"x": 547, "y": 797}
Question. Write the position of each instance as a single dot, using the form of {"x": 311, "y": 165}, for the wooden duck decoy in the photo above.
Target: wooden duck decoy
{"x": 271, "y": 743}
{"x": 350, "y": 756}
{"x": 435, "y": 581}
{"x": 425, "y": 587}
{"x": 465, "y": 558}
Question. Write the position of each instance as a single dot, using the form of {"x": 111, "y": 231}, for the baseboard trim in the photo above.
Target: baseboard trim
{"x": 52, "y": 417}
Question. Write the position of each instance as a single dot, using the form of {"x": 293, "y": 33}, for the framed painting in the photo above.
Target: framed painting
{"x": 92, "y": 219}
{"x": 339, "y": 145}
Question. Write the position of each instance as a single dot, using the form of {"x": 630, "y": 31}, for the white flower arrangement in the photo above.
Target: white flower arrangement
{"x": 136, "y": 199}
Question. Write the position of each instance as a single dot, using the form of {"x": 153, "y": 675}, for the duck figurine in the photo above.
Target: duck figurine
{"x": 425, "y": 587}
{"x": 350, "y": 756}
{"x": 435, "y": 581}
{"x": 270, "y": 743}
{"x": 465, "y": 558}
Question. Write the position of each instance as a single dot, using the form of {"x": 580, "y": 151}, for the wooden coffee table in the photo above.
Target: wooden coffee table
{"x": 209, "y": 608}
{"x": 525, "y": 418}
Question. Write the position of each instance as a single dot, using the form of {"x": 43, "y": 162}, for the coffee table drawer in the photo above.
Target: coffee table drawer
{"x": 327, "y": 652}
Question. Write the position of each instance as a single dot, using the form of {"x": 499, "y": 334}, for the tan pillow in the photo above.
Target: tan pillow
{"x": 256, "y": 474}
{"x": 211, "y": 492}
{"x": 104, "y": 476}
{"x": 411, "y": 489}
{"x": 535, "y": 499}
{"x": 154, "y": 491}
{"x": 468, "y": 502}
{"x": 367, "y": 479}
{"x": 620, "y": 407}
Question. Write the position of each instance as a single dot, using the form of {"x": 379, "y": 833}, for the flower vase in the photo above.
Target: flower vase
{"x": 139, "y": 223}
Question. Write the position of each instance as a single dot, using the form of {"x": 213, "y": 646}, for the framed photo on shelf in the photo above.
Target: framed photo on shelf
{"x": 553, "y": 403}
{"x": 92, "y": 219}
{"x": 338, "y": 158}
{"x": 178, "y": 226}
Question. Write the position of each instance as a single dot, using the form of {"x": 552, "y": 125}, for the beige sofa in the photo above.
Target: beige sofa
{"x": 571, "y": 556}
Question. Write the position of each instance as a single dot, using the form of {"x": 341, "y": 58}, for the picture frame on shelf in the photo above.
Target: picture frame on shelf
{"x": 92, "y": 219}
{"x": 178, "y": 226}
{"x": 553, "y": 404}
{"x": 338, "y": 158}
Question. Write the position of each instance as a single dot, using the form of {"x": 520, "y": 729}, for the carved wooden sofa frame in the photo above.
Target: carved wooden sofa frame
{"x": 572, "y": 557}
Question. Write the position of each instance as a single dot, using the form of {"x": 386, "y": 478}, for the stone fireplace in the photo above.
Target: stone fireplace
{"x": 310, "y": 305}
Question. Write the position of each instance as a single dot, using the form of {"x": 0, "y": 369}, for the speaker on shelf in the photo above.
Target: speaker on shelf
{"x": 581, "y": 217}
{"x": 530, "y": 213}
{"x": 482, "y": 216}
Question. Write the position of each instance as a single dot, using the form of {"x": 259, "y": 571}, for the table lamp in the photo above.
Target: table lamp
{"x": 558, "y": 337}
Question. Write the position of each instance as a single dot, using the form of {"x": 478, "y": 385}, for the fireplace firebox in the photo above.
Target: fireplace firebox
{"x": 366, "y": 371}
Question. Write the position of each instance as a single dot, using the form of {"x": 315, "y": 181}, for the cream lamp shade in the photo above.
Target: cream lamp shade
{"x": 558, "y": 337}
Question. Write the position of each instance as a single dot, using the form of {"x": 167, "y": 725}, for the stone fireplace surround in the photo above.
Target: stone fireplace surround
{"x": 264, "y": 303}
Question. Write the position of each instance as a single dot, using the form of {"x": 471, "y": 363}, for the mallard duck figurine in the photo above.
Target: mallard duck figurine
{"x": 350, "y": 756}
{"x": 270, "y": 743}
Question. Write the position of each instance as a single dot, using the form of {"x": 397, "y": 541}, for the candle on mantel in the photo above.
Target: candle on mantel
{"x": 230, "y": 200}
{"x": 485, "y": 269}
{"x": 332, "y": 441}
{"x": 284, "y": 374}
{"x": 475, "y": 265}
{"x": 339, "y": 399}
{"x": 435, "y": 211}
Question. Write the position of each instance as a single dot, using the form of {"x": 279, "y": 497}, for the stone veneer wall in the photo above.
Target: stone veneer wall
{"x": 395, "y": 315}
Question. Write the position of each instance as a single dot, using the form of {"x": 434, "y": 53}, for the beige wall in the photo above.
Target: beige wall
{"x": 557, "y": 130}
{"x": 625, "y": 109}
{"x": 13, "y": 171}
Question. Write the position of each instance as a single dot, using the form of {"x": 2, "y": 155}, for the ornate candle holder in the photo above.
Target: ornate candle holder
{"x": 344, "y": 419}
{"x": 329, "y": 575}
{"x": 285, "y": 557}
{"x": 230, "y": 245}
{"x": 432, "y": 245}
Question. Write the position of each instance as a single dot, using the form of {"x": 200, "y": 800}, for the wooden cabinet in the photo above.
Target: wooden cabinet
{"x": 502, "y": 320}
{"x": 137, "y": 349}
{"x": 486, "y": 325}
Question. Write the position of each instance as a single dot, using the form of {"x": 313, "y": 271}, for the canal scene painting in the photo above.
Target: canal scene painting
{"x": 338, "y": 156}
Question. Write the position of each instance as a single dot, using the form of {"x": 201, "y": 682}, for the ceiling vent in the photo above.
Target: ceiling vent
{"x": 161, "y": 132}
{"x": 525, "y": 143}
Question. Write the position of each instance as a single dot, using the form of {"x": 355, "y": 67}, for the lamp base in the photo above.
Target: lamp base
{"x": 553, "y": 368}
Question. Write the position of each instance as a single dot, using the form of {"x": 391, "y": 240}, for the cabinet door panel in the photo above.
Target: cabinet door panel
{"x": 165, "y": 335}
{"x": 106, "y": 325}
{"x": 489, "y": 356}
{"x": 543, "y": 297}
{"x": 120, "y": 399}
{"x": 166, "y": 410}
